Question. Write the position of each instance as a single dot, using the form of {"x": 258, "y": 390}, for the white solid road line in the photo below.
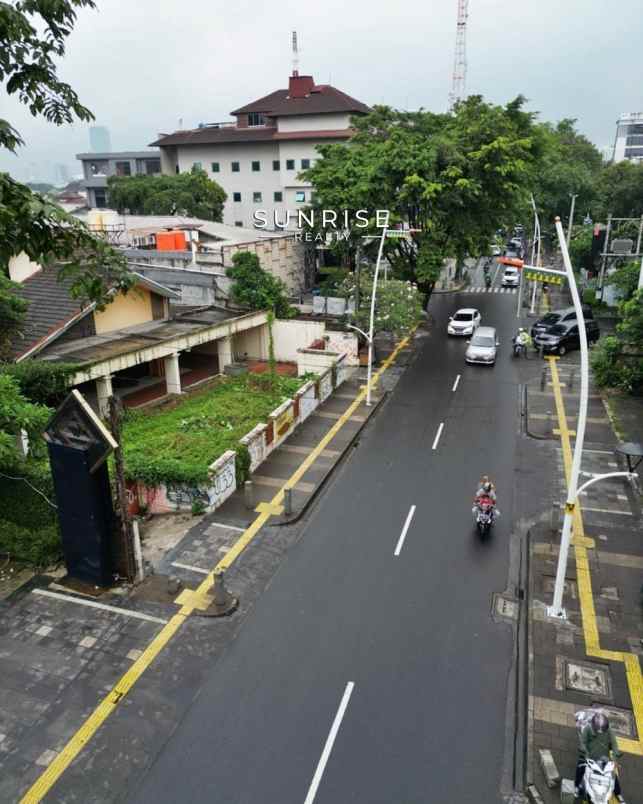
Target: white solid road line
{"x": 92, "y": 604}
{"x": 223, "y": 525}
{"x": 455, "y": 384}
{"x": 191, "y": 567}
{"x": 400, "y": 541}
{"x": 437, "y": 436}
{"x": 319, "y": 772}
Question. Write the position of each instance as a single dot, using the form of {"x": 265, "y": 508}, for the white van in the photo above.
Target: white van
{"x": 510, "y": 278}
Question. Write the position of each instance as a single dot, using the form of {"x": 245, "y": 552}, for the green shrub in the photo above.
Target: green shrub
{"x": 589, "y": 296}
{"x": 40, "y": 547}
{"x": 20, "y": 503}
{"x": 41, "y": 381}
{"x": 198, "y": 507}
{"x": 611, "y": 368}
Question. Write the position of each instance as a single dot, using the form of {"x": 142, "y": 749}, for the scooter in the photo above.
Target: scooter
{"x": 598, "y": 781}
{"x": 485, "y": 515}
{"x": 487, "y": 280}
{"x": 519, "y": 349}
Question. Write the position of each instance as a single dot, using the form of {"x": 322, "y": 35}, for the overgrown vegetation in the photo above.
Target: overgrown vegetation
{"x": 398, "y": 305}
{"x": 177, "y": 444}
{"x": 41, "y": 381}
{"x": 617, "y": 360}
{"x": 255, "y": 288}
{"x": 192, "y": 194}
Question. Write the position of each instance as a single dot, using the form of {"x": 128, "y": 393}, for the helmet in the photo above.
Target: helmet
{"x": 600, "y": 723}
{"x": 521, "y": 329}
{"x": 486, "y": 486}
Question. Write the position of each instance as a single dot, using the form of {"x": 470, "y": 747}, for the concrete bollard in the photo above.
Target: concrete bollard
{"x": 567, "y": 792}
{"x": 248, "y": 495}
{"x": 287, "y": 501}
{"x": 549, "y": 769}
{"x": 223, "y": 603}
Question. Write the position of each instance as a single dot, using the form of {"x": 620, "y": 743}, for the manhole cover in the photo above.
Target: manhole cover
{"x": 505, "y": 607}
{"x": 592, "y": 679}
{"x": 621, "y": 720}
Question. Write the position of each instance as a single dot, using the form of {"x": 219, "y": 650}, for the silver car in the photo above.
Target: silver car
{"x": 483, "y": 346}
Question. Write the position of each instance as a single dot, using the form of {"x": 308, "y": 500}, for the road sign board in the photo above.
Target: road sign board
{"x": 543, "y": 276}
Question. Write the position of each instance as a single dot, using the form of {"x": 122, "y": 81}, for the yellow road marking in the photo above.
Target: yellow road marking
{"x": 584, "y": 583}
{"x": 189, "y": 601}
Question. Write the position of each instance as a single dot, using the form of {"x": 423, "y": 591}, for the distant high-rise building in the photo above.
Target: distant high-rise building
{"x": 99, "y": 140}
{"x": 629, "y": 138}
{"x": 61, "y": 175}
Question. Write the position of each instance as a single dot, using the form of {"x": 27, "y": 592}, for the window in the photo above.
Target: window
{"x": 305, "y": 164}
{"x": 633, "y": 153}
{"x": 238, "y": 223}
{"x": 100, "y": 197}
{"x": 236, "y": 197}
{"x": 151, "y": 167}
{"x": 123, "y": 169}
{"x": 256, "y": 167}
{"x": 300, "y": 196}
{"x": 235, "y": 167}
{"x": 278, "y": 196}
{"x": 290, "y": 164}
{"x": 215, "y": 167}
{"x": 256, "y": 198}
{"x": 256, "y": 119}
{"x": 276, "y": 164}
{"x": 196, "y": 165}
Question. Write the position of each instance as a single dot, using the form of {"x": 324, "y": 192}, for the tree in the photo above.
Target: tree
{"x": 192, "y": 194}
{"x": 568, "y": 164}
{"x": 398, "y": 305}
{"x": 32, "y": 38}
{"x": 626, "y": 279}
{"x": 456, "y": 177}
{"x": 12, "y": 311}
{"x": 17, "y": 413}
{"x": 620, "y": 190}
{"x": 255, "y": 288}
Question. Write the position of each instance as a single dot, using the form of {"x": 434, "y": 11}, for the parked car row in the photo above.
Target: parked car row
{"x": 558, "y": 331}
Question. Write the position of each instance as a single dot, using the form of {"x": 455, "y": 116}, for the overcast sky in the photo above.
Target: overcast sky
{"x": 142, "y": 65}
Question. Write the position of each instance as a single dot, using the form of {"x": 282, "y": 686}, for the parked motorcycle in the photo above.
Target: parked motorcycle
{"x": 485, "y": 515}
{"x": 598, "y": 781}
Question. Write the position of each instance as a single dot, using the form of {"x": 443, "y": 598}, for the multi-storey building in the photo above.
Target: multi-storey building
{"x": 98, "y": 167}
{"x": 259, "y": 157}
{"x": 629, "y": 137}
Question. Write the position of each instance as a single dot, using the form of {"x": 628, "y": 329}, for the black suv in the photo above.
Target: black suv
{"x": 563, "y": 337}
{"x": 556, "y": 317}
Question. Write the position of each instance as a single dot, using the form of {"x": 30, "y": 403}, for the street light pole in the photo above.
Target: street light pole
{"x": 556, "y": 609}
{"x": 571, "y": 219}
{"x": 372, "y": 319}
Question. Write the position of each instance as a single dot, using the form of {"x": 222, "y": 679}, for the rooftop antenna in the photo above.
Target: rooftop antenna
{"x": 295, "y": 54}
{"x": 459, "y": 80}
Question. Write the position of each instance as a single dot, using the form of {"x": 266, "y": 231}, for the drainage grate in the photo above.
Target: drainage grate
{"x": 505, "y": 607}
{"x": 589, "y": 678}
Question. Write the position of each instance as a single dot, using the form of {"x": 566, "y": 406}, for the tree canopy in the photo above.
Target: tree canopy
{"x": 192, "y": 194}
{"x": 456, "y": 177}
{"x": 32, "y": 38}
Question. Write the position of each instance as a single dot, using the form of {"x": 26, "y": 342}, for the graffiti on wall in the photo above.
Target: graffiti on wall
{"x": 325, "y": 386}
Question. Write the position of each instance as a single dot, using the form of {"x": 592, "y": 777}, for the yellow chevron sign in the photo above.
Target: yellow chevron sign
{"x": 541, "y": 276}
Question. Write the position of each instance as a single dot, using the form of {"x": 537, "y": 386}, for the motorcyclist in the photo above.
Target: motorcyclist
{"x": 596, "y": 742}
{"x": 485, "y": 489}
{"x": 522, "y": 339}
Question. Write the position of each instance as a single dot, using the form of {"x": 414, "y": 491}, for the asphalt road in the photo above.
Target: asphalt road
{"x": 425, "y": 721}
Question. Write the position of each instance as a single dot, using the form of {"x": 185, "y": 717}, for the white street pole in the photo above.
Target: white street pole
{"x": 519, "y": 293}
{"x": 571, "y": 219}
{"x": 372, "y": 321}
{"x": 556, "y": 609}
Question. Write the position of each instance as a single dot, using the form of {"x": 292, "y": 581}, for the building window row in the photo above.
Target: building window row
{"x": 255, "y": 165}
{"x": 278, "y": 196}
{"x": 634, "y": 139}
{"x": 634, "y": 153}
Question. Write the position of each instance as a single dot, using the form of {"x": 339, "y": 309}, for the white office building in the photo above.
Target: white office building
{"x": 629, "y": 137}
{"x": 258, "y": 157}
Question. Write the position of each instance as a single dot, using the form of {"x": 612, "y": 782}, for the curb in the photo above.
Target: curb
{"x": 453, "y": 290}
{"x": 296, "y": 517}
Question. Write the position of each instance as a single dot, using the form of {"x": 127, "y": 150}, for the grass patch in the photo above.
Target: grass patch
{"x": 177, "y": 444}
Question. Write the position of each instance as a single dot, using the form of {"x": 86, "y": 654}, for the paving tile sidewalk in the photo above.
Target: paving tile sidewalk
{"x": 563, "y": 678}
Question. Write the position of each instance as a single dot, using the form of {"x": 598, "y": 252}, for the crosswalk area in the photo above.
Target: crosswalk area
{"x": 483, "y": 289}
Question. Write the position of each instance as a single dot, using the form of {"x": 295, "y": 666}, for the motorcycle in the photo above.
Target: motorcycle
{"x": 485, "y": 515}
{"x": 487, "y": 280}
{"x": 519, "y": 349}
{"x": 598, "y": 781}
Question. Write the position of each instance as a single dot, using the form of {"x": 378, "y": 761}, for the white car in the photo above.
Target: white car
{"x": 496, "y": 251}
{"x": 464, "y": 321}
{"x": 510, "y": 278}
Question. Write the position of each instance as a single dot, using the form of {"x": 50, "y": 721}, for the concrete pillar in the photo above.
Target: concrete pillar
{"x": 172, "y": 374}
{"x": 103, "y": 392}
{"x": 224, "y": 349}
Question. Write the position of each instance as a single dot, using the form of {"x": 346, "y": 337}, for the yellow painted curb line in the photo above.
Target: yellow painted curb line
{"x": 189, "y": 601}
{"x": 584, "y": 582}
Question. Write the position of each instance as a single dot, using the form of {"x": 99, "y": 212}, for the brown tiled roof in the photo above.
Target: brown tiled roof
{"x": 323, "y": 98}
{"x": 215, "y": 136}
{"x": 51, "y": 306}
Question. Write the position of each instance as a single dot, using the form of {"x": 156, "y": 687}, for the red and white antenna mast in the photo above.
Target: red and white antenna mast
{"x": 295, "y": 54}
{"x": 458, "y": 83}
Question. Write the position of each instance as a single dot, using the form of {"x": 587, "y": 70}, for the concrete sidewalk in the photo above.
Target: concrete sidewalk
{"x": 593, "y": 658}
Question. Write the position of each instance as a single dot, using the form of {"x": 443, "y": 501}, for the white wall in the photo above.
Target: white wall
{"x": 21, "y": 267}
{"x": 314, "y": 122}
{"x": 289, "y": 336}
